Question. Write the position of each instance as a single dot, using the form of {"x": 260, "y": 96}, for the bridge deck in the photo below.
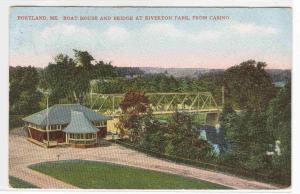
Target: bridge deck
{"x": 211, "y": 110}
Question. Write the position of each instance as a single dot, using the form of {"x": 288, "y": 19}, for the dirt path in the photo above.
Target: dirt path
{"x": 24, "y": 153}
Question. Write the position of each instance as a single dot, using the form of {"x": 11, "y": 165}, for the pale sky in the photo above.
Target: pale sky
{"x": 262, "y": 34}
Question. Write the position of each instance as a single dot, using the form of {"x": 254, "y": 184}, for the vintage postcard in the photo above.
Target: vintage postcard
{"x": 150, "y": 98}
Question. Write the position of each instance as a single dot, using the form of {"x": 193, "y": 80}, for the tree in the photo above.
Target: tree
{"x": 133, "y": 106}
{"x": 23, "y": 94}
{"x": 249, "y": 85}
{"x": 83, "y": 59}
{"x": 211, "y": 82}
{"x": 103, "y": 70}
{"x": 69, "y": 78}
{"x": 183, "y": 140}
{"x": 153, "y": 136}
{"x": 248, "y": 139}
{"x": 263, "y": 126}
{"x": 81, "y": 74}
{"x": 59, "y": 77}
{"x": 27, "y": 103}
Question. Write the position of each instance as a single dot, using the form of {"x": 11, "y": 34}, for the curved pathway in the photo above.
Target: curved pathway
{"x": 23, "y": 153}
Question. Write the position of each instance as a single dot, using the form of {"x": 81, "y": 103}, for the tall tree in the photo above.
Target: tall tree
{"x": 23, "y": 94}
{"x": 69, "y": 78}
{"x": 83, "y": 59}
{"x": 249, "y": 85}
{"x": 58, "y": 77}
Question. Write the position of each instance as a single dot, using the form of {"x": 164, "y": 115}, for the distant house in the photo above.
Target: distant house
{"x": 71, "y": 124}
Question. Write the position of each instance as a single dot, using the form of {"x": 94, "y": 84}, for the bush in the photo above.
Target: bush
{"x": 15, "y": 121}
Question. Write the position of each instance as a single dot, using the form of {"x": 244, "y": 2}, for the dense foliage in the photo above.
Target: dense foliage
{"x": 176, "y": 138}
{"x": 161, "y": 83}
{"x": 133, "y": 106}
{"x": 249, "y": 86}
{"x": 279, "y": 127}
{"x": 69, "y": 79}
{"x": 259, "y": 136}
{"x": 23, "y": 93}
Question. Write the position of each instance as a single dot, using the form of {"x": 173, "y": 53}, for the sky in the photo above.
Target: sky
{"x": 262, "y": 34}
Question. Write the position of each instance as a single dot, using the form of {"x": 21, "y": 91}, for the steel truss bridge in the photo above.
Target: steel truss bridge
{"x": 160, "y": 103}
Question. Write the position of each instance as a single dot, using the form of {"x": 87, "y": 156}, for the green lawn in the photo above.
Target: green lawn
{"x": 97, "y": 175}
{"x": 18, "y": 183}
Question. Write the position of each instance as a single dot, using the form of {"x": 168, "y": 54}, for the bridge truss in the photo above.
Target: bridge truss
{"x": 160, "y": 103}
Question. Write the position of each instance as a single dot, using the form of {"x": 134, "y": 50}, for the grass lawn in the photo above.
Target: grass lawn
{"x": 18, "y": 183}
{"x": 98, "y": 175}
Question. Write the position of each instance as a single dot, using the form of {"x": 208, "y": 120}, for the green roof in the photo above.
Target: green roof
{"x": 61, "y": 114}
{"x": 80, "y": 124}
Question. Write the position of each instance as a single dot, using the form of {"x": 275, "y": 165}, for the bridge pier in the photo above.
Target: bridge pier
{"x": 212, "y": 118}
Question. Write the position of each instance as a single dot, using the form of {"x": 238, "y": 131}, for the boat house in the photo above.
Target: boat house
{"x": 71, "y": 124}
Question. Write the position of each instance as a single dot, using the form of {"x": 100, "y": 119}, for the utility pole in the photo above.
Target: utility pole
{"x": 113, "y": 99}
{"x": 47, "y": 127}
{"x": 223, "y": 96}
{"x": 91, "y": 96}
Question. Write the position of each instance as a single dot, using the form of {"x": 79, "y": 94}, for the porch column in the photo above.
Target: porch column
{"x": 67, "y": 138}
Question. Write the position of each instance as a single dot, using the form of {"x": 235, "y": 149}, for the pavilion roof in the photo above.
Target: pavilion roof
{"x": 61, "y": 114}
{"x": 80, "y": 124}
